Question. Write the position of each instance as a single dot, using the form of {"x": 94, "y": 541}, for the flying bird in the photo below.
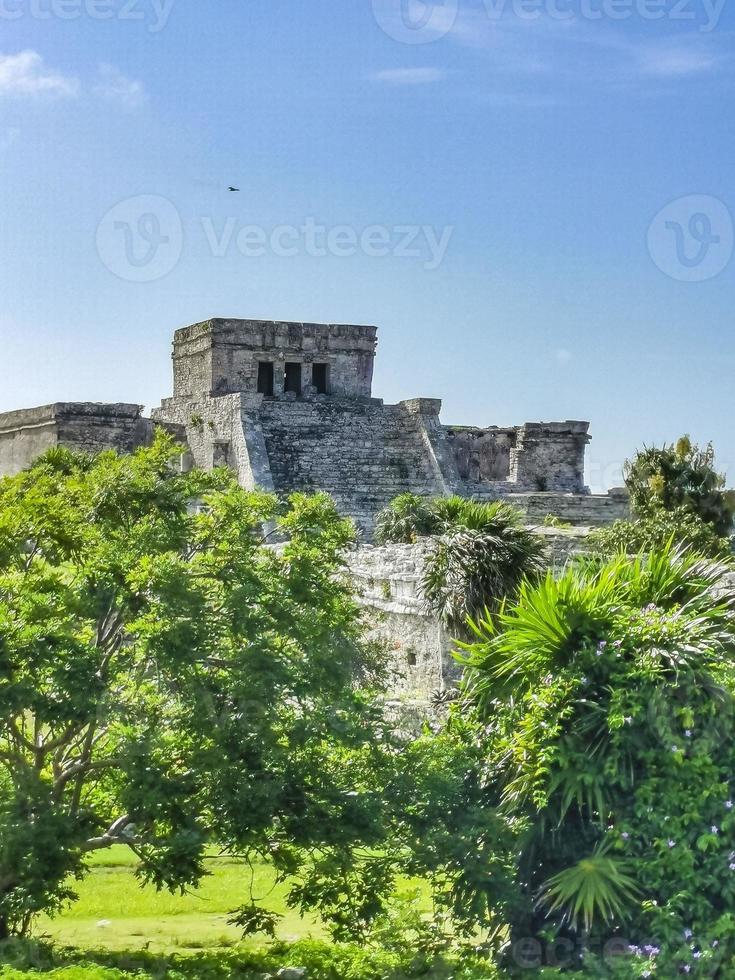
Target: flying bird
{"x": 233, "y": 190}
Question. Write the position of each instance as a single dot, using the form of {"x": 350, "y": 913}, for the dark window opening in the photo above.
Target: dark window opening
{"x": 265, "y": 377}
{"x": 411, "y": 658}
{"x": 220, "y": 453}
{"x": 320, "y": 378}
{"x": 292, "y": 379}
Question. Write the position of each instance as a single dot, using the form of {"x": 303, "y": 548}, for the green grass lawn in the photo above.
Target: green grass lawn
{"x": 114, "y": 912}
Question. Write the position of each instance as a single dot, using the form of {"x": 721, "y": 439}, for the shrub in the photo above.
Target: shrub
{"x": 680, "y": 477}
{"x": 407, "y": 518}
{"x": 655, "y": 531}
{"x": 320, "y": 960}
{"x": 607, "y": 708}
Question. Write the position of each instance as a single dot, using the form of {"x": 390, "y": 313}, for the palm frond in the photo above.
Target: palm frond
{"x": 597, "y": 888}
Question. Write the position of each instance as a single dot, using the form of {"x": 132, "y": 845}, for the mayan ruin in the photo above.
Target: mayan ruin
{"x": 290, "y": 406}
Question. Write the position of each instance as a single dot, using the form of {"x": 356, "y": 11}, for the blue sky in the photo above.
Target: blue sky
{"x": 531, "y": 198}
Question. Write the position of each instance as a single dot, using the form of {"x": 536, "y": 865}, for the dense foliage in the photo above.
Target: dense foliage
{"x": 481, "y": 554}
{"x": 656, "y": 530}
{"x": 680, "y": 477}
{"x": 310, "y": 959}
{"x": 606, "y": 709}
{"x": 167, "y": 678}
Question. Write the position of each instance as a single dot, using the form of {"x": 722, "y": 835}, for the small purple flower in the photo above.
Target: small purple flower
{"x": 618, "y": 643}
{"x": 688, "y": 733}
{"x": 672, "y": 843}
{"x": 646, "y": 973}
{"x": 715, "y": 830}
{"x": 625, "y": 835}
{"x": 674, "y": 748}
{"x": 715, "y": 943}
{"x": 585, "y": 681}
{"x": 687, "y": 968}
{"x": 628, "y": 720}
{"x": 688, "y": 933}
{"x": 696, "y": 954}
{"x": 728, "y": 805}
{"x": 732, "y": 866}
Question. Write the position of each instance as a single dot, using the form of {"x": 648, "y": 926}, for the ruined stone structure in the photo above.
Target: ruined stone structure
{"x": 289, "y": 406}
{"x": 89, "y": 427}
{"x": 421, "y": 651}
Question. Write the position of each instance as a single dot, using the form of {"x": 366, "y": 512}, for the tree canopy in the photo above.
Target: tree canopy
{"x": 680, "y": 477}
{"x": 167, "y": 678}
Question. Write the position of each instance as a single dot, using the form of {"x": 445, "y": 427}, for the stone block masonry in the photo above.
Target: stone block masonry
{"x": 289, "y": 406}
{"x": 85, "y": 426}
{"x": 387, "y": 579}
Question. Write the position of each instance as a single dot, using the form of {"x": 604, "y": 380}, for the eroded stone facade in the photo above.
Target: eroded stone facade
{"x": 289, "y": 406}
{"x": 89, "y": 427}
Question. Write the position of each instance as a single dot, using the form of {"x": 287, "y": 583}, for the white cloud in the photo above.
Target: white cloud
{"x": 116, "y": 87}
{"x": 26, "y": 74}
{"x": 671, "y": 59}
{"x": 409, "y": 76}
{"x": 602, "y": 54}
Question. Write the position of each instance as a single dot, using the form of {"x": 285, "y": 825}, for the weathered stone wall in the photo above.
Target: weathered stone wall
{"x": 482, "y": 455}
{"x": 593, "y": 510}
{"x": 363, "y": 453}
{"x": 419, "y": 650}
{"x": 550, "y": 456}
{"x": 24, "y": 435}
{"x": 222, "y": 356}
{"x": 535, "y": 456}
{"x": 86, "y": 426}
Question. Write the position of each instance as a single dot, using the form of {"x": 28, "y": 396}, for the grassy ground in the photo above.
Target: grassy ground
{"x": 113, "y": 911}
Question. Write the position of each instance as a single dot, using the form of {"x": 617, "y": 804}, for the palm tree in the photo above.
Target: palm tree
{"x": 482, "y": 556}
{"x": 606, "y": 701}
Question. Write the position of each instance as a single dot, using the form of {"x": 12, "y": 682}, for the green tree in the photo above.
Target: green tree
{"x": 481, "y": 553}
{"x": 167, "y": 679}
{"x": 407, "y": 518}
{"x": 680, "y": 477}
{"x": 606, "y": 706}
{"x": 479, "y": 560}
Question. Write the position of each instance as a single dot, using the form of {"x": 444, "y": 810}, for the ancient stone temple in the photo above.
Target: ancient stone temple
{"x": 289, "y": 406}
